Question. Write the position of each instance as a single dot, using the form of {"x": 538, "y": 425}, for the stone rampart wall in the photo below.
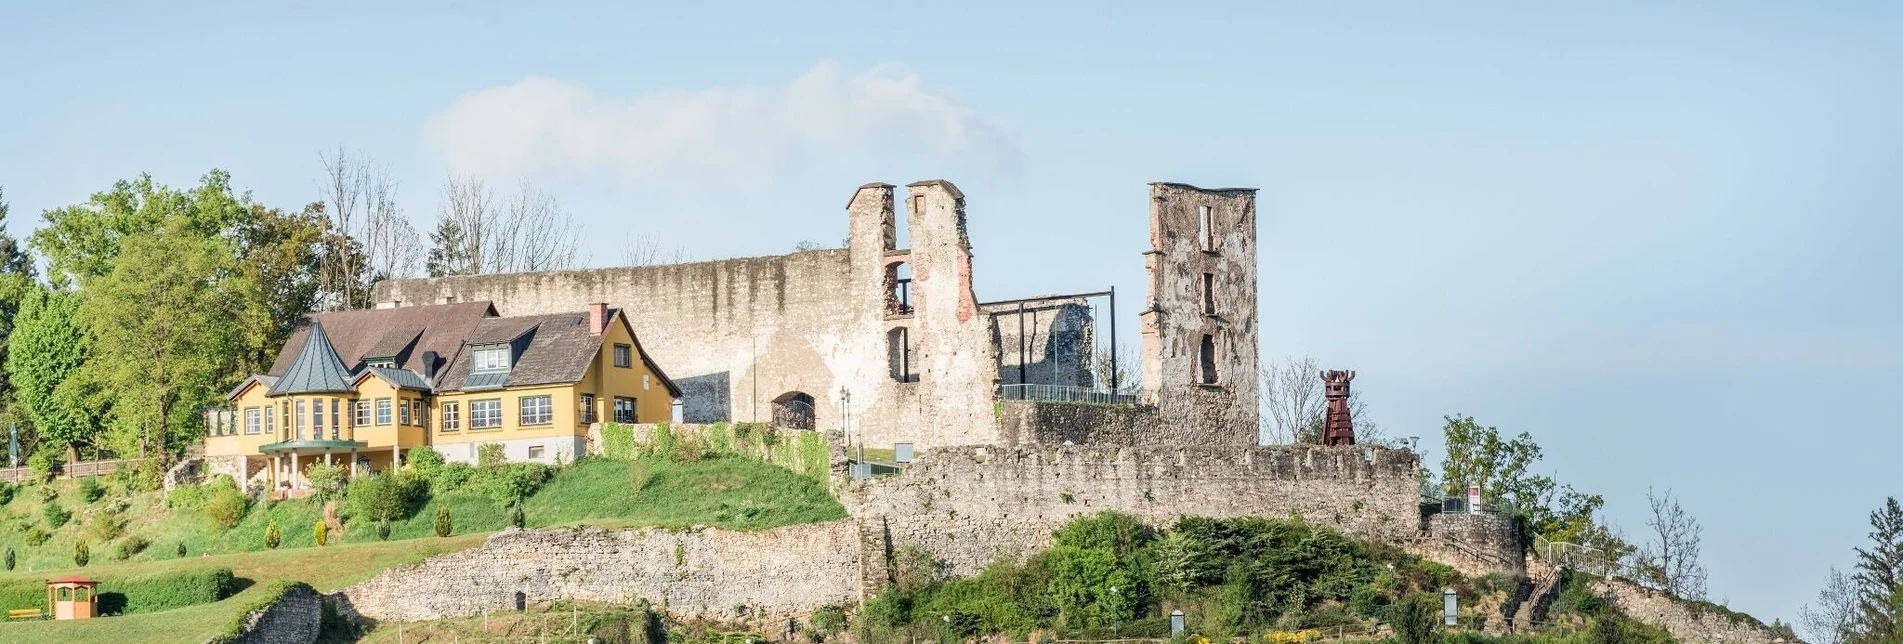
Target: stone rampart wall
{"x": 295, "y": 618}
{"x": 1686, "y": 622}
{"x": 972, "y": 505}
{"x": 702, "y": 572}
{"x": 1474, "y": 544}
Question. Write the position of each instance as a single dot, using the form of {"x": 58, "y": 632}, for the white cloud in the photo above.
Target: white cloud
{"x": 542, "y": 127}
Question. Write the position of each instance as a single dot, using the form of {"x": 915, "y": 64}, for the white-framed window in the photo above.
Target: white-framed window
{"x": 535, "y": 451}
{"x": 624, "y": 410}
{"x": 383, "y": 411}
{"x": 270, "y": 420}
{"x": 403, "y": 412}
{"x": 252, "y": 420}
{"x": 387, "y": 363}
{"x": 492, "y": 358}
{"x": 485, "y": 414}
{"x": 452, "y": 416}
{"x": 363, "y": 413}
{"x": 537, "y": 410}
{"x": 624, "y": 356}
{"x": 336, "y": 418}
{"x": 587, "y": 408}
{"x": 419, "y": 412}
{"x": 317, "y": 419}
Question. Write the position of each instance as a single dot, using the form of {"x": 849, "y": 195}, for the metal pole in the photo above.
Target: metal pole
{"x": 1021, "y": 354}
{"x": 1116, "y": 377}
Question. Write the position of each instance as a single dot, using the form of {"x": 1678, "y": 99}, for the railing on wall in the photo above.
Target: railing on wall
{"x": 1064, "y": 394}
{"x": 78, "y": 470}
{"x": 1577, "y": 557}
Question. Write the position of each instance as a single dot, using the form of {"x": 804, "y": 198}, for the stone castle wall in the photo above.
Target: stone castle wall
{"x": 1686, "y": 622}
{"x": 703, "y": 573}
{"x": 1474, "y": 544}
{"x": 970, "y": 506}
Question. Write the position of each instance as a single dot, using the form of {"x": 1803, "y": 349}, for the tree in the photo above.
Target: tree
{"x": 477, "y": 233}
{"x": 46, "y": 351}
{"x": 1669, "y": 559}
{"x": 81, "y": 554}
{"x": 13, "y": 259}
{"x": 645, "y": 250}
{"x": 1126, "y": 370}
{"x": 359, "y": 196}
{"x": 271, "y": 535}
{"x": 443, "y": 524}
{"x": 1879, "y": 579}
{"x": 167, "y": 336}
{"x": 1477, "y": 455}
{"x": 1832, "y": 619}
{"x": 83, "y": 242}
{"x": 281, "y": 258}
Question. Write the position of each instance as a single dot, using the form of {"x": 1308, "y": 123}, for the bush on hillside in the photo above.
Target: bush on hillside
{"x": 106, "y": 527}
{"x": 81, "y": 554}
{"x": 453, "y": 476}
{"x": 55, "y": 515}
{"x": 90, "y": 490}
{"x": 443, "y": 524}
{"x": 383, "y": 530}
{"x": 36, "y": 536}
{"x": 425, "y": 461}
{"x": 320, "y": 532}
{"x": 508, "y": 483}
{"x": 1414, "y": 619}
{"x": 617, "y": 441}
{"x": 272, "y": 537}
{"x": 166, "y": 591}
{"x": 43, "y": 461}
{"x": 490, "y": 455}
{"x": 380, "y": 497}
{"x": 132, "y": 546}
{"x": 181, "y": 550}
{"x": 222, "y": 503}
{"x": 326, "y": 480}
{"x": 6, "y": 492}
{"x": 9, "y": 558}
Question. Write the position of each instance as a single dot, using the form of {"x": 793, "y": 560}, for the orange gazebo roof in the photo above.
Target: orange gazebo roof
{"x": 71, "y": 580}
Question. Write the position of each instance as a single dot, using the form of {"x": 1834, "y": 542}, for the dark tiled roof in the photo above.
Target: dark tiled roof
{"x": 545, "y": 349}
{"x": 261, "y": 379}
{"x": 394, "y": 344}
{"x": 317, "y": 368}
{"x": 360, "y": 334}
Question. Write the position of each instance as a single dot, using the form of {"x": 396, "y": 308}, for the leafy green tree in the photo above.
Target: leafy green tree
{"x": 45, "y": 354}
{"x": 1503, "y": 469}
{"x": 1879, "y": 580}
{"x": 83, "y": 241}
{"x": 449, "y": 250}
{"x": 166, "y": 328}
{"x": 281, "y": 258}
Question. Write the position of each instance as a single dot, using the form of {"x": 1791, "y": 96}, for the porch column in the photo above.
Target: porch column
{"x": 244, "y": 472}
{"x": 353, "y": 462}
{"x": 396, "y": 458}
{"x": 271, "y": 475}
{"x": 293, "y": 476}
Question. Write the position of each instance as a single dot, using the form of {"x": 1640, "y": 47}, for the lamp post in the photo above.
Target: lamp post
{"x": 845, "y": 421}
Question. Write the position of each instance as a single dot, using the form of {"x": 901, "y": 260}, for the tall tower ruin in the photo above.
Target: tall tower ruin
{"x": 1199, "y": 329}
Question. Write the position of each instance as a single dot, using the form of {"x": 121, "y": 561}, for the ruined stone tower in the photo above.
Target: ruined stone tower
{"x": 1199, "y": 330}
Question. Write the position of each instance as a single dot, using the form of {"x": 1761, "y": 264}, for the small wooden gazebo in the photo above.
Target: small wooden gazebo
{"x": 72, "y": 598}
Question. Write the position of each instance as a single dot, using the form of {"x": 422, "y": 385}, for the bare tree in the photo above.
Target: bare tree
{"x": 1292, "y": 397}
{"x": 1127, "y": 371}
{"x": 1670, "y": 560}
{"x": 1831, "y": 621}
{"x": 479, "y": 233}
{"x": 360, "y": 199}
{"x": 646, "y": 250}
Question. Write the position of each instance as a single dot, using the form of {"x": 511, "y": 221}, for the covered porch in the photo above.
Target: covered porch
{"x": 289, "y": 461}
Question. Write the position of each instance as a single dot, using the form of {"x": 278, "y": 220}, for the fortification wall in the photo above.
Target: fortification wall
{"x": 1686, "y": 622}
{"x": 295, "y": 618}
{"x": 1474, "y": 544}
{"x": 971, "y": 505}
{"x": 705, "y": 573}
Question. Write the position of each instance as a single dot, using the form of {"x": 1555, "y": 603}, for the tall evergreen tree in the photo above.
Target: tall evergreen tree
{"x": 449, "y": 250}
{"x": 1879, "y": 579}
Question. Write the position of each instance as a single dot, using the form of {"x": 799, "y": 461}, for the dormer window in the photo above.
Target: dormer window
{"x": 387, "y": 363}
{"x": 491, "y": 358}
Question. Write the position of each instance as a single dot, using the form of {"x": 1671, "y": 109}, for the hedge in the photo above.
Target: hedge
{"x": 132, "y": 595}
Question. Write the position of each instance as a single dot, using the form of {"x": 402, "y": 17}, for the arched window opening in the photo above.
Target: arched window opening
{"x": 898, "y": 344}
{"x": 793, "y": 410}
{"x": 1206, "y": 361}
{"x": 898, "y": 289}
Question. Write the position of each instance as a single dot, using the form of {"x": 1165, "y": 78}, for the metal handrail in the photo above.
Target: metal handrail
{"x": 1064, "y": 394}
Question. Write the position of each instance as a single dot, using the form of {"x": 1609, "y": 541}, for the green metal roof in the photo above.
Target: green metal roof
{"x": 317, "y": 369}
{"x": 292, "y": 446}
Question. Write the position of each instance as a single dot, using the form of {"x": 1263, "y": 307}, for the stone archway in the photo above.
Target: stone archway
{"x": 793, "y": 410}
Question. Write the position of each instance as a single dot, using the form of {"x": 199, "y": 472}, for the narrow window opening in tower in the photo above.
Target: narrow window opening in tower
{"x": 1205, "y": 228}
{"x": 1209, "y": 293}
{"x": 898, "y": 289}
{"x": 898, "y": 343}
{"x": 1206, "y": 361}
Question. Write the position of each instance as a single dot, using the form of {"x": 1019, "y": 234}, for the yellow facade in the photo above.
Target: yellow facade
{"x": 604, "y": 382}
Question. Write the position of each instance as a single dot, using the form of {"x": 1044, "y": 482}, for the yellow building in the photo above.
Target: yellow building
{"x": 361, "y": 387}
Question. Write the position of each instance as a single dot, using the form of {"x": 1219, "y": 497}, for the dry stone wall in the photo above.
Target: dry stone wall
{"x": 1686, "y": 622}
{"x": 1475, "y": 544}
{"x": 970, "y": 506}
{"x": 295, "y": 618}
{"x": 702, "y": 573}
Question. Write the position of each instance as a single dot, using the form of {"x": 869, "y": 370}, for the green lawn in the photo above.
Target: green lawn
{"x": 733, "y": 493}
{"x": 326, "y": 568}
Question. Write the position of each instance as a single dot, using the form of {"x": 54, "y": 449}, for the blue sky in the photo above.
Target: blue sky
{"x": 1662, "y": 239}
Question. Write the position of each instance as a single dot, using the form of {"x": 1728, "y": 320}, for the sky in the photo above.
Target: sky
{"x": 1660, "y": 238}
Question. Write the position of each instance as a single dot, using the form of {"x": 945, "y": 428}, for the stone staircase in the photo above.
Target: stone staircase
{"x": 1544, "y": 581}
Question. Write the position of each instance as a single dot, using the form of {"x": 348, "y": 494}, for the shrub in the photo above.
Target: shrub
{"x": 320, "y": 532}
{"x": 325, "y": 479}
{"x": 443, "y": 525}
{"x": 146, "y": 477}
{"x": 6, "y": 493}
{"x": 106, "y": 527}
{"x": 55, "y": 515}
{"x": 828, "y": 621}
{"x": 167, "y": 591}
{"x": 660, "y": 442}
{"x": 690, "y": 447}
{"x": 133, "y": 545}
{"x": 454, "y": 475}
{"x": 90, "y": 490}
{"x": 508, "y": 483}
{"x": 383, "y": 530}
{"x": 36, "y": 536}
{"x": 43, "y": 460}
{"x": 382, "y": 497}
{"x": 425, "y": 461}
{"x": 9, "y": 558}
{"x": 181, "y": 550}
{"x": 81, "y": 554}
{"x": 1413, "y": 619}
{"x": 617, "y": 441}
{"x": 48, "y": 494}
{"x": 223, "y": 504}
{"x": 271, "y": 535}
{"x": 490, "y": 455}
{"x": 515, "y": 515}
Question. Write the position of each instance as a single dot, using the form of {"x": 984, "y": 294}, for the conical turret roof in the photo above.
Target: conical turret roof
{"x": 317, "y": 369}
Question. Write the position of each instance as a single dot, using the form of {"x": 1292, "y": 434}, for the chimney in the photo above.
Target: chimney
{"x": 597, "y": 318}
{"x": 429, "y": 367}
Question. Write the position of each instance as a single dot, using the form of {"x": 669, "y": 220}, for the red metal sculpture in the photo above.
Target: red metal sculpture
{"x": 1339, "y": 429}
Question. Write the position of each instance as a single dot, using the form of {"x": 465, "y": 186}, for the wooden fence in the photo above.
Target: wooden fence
{"x": 78, "y": 470}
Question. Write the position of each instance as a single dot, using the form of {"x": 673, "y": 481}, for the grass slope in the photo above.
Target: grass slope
{"x": 733, "y": 493}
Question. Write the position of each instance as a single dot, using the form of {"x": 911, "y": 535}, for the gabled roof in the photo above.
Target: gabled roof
{"x": 545, "y": 350}
{"x": 317, "y": 369}
{"x": 366, "y": 333}
{"x": 399, "y": 378}
{"x": 257, "y": 379}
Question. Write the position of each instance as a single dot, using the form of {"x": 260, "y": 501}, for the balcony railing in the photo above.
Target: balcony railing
{"x": 1064, "y": 394}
